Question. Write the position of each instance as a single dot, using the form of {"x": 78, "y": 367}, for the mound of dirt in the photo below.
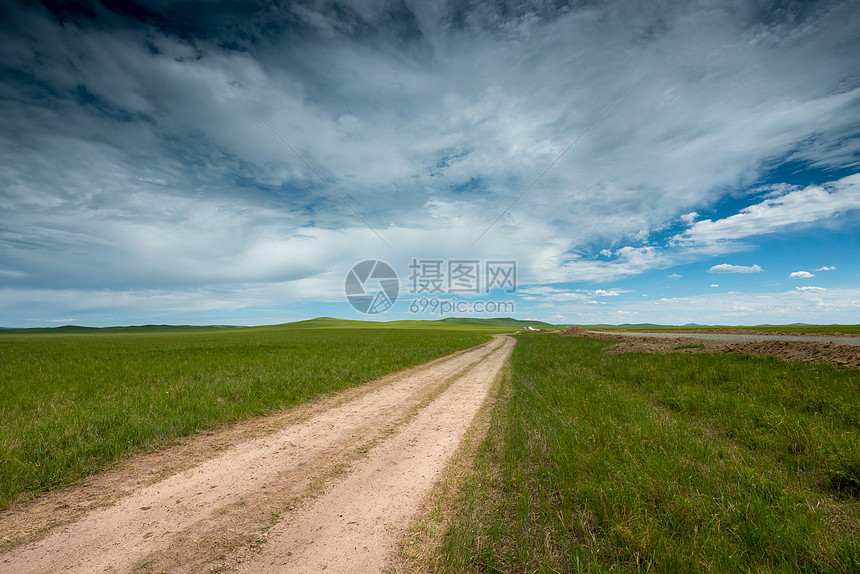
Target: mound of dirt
{"x": 678, "y": 345}
{"x": 848, "y": 355}
{"x": 573, "y": 332}
{"x": 738, "y": 331}
{"x": 577, "y": 332}
{"x": 834, "y": 353}
{"x": 723, "y": 330}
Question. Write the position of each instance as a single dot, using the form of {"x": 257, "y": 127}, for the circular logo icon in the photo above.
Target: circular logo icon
{"x": 372, "y": 286}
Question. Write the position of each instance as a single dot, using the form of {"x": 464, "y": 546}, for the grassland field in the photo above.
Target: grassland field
{"x": 593, "y": 462}
{"x": 660, "y": 463}
{"x": 70, "y": 404}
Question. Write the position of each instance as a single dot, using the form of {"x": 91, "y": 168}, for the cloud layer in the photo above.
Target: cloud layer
{"x": 728, "y": 268}
{"x": 130, "y": 172}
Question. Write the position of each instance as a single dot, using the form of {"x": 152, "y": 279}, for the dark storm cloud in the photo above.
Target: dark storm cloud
{"x": 248, "y": 26}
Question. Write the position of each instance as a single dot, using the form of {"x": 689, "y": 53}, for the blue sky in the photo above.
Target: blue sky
{"x": 720, "y": 184}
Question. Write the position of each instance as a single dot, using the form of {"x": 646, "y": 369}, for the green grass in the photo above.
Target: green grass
{"x": 662, "y": 463}
{"x": 688, "y": 346}
{"x": 71, "y": 404}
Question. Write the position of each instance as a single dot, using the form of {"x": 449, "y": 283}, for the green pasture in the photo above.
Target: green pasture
{"x": 72, "y": 403}
{"x": 661, "y": 463}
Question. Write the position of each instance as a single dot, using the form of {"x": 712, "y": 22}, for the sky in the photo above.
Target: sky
{"x": 588, "y": 162}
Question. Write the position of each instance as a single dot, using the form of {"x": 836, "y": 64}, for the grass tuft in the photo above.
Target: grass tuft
{"x": 689, "y": 346}
{"x": 844, "y": 477}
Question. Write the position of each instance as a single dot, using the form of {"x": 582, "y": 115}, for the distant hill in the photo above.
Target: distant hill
{"x": 79, "y": 329}
{"x": 324, "y": 323}
{"x": 500, "y": 323}
{"x": 626, "y": 326}
{"x": 503, "y": 324}
{"x": 490, "y": 325}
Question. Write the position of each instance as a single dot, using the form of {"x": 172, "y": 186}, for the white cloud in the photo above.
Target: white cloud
{"x": 727, "y": 268}
{"x": 715, "y": 285}
{"x": 811, "y": 288}
{"x": 557, "y": 295}
{"x": 797, "y": 305}
{"x": 553, "y": 265}
{"x": 606, "y": 252}
{"x": 801, "y": 275}
{"x": 689, "y": 218}
{"x": 826, "y": 268}
{"x": 552, "y": 294}
{"x": 803, "y": 206}
{"x": 674, "y": 276}
{"x": 10, "y": 273}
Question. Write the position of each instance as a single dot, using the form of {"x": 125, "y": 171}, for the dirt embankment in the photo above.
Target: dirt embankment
{"x": 737, "y": 331}
{"x": 845, "y": 355}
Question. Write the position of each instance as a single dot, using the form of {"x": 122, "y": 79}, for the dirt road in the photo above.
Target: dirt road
{"x": 334, "y": 492}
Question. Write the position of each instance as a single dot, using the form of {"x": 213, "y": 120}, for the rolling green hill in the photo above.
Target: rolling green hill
{"x": 502, "y": 324}
{"x": 493, "y": 325}
{"x": 79, "y": 329}
{"x": 501, "y": 321}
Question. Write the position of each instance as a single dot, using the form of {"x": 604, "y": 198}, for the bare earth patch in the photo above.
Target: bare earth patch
{"x": 330, "y": 488}
{"x": 846, "y": 355}
{"x": 737, "y": 331}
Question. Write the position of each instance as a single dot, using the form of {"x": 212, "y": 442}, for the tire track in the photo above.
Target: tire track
{"x": 356, "y": 526}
